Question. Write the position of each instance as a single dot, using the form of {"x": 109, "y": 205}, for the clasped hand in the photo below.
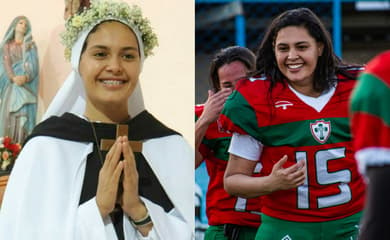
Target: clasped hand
{"x": 109, "y": 180}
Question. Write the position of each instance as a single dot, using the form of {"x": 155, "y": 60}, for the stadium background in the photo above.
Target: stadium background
{"x": 359, "y": 29}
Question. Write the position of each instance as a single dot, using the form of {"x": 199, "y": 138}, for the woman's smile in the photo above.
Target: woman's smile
{"x": 112, "y": 83}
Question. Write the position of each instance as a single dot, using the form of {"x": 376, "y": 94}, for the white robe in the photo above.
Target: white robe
{"x": 41, "y": 201}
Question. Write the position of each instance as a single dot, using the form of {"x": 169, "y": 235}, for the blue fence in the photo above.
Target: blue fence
{"x": 215, "y": 17}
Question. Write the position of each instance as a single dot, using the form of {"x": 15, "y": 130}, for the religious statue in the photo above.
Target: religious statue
{"x": 18, "y": 81}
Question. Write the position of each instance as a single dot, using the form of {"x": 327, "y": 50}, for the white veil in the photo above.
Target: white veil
{"x": 71, "y": 96}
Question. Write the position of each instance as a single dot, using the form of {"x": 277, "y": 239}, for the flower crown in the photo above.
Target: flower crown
{"x": 107, "y": 9}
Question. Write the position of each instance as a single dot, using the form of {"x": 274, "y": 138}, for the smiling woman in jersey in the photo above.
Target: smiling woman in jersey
{"x": 292, "y": 116}
{"x": 99, "y": 166}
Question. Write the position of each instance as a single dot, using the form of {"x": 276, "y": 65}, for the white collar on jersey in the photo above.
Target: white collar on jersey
{"x": 318, "y": 103}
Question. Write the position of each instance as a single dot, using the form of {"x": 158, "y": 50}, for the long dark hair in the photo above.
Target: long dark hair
{"x": 226, "y": 56}
{"x": 328, "y": 64}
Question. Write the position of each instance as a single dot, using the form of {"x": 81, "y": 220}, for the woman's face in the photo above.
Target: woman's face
{"x": 110, "y": 64}
{"x": 21, "y": 26}
{"x": 230, "y": 73}
{"x": 296, "y": 53}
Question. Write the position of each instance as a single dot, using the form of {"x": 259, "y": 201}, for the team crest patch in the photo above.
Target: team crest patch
{"x": 287, "y": 237}
{"x": 320, "y": 130}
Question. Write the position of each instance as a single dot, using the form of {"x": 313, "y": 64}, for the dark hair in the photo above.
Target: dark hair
{"x": 226, "y": 56}
{"x": 328, "y": 64}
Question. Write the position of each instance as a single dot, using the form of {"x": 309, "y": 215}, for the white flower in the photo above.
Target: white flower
{"x": 77, "y": 22}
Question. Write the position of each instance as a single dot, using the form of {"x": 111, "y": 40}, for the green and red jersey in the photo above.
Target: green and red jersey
{"x": 285, "y": 124}
{"x": 222, "y": 208}
{"x": 370, "y": 108}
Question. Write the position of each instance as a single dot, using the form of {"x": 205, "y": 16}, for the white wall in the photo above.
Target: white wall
{"x": 168, "y": 77}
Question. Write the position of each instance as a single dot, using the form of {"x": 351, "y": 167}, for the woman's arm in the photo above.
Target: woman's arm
{"x": 238, "y": 178}
{"x": 244, "y": 154}
{"x": 165, "y": 225}
{"x": 131, "y": 202}
{"x": 171, "y": 159}
{"x": 212, "y": 109}
{"x": 200, "y": 131}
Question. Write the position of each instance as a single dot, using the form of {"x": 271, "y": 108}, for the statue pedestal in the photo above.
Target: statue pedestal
{"x": 3, "y": 184}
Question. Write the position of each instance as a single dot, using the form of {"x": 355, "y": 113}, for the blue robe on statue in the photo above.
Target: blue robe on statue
{"x": 18, "y": 104}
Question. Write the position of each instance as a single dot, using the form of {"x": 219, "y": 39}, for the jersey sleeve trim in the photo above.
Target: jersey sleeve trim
{"x": 246, "y": 147}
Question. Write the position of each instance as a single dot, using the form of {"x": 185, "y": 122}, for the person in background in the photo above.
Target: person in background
{"x": 19, "y": 67}
{"x": 293, "y": 115}
{"x": 78, "y": 175}
{"x": 370, "y": 124}
{"x": 229, "y": 217}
